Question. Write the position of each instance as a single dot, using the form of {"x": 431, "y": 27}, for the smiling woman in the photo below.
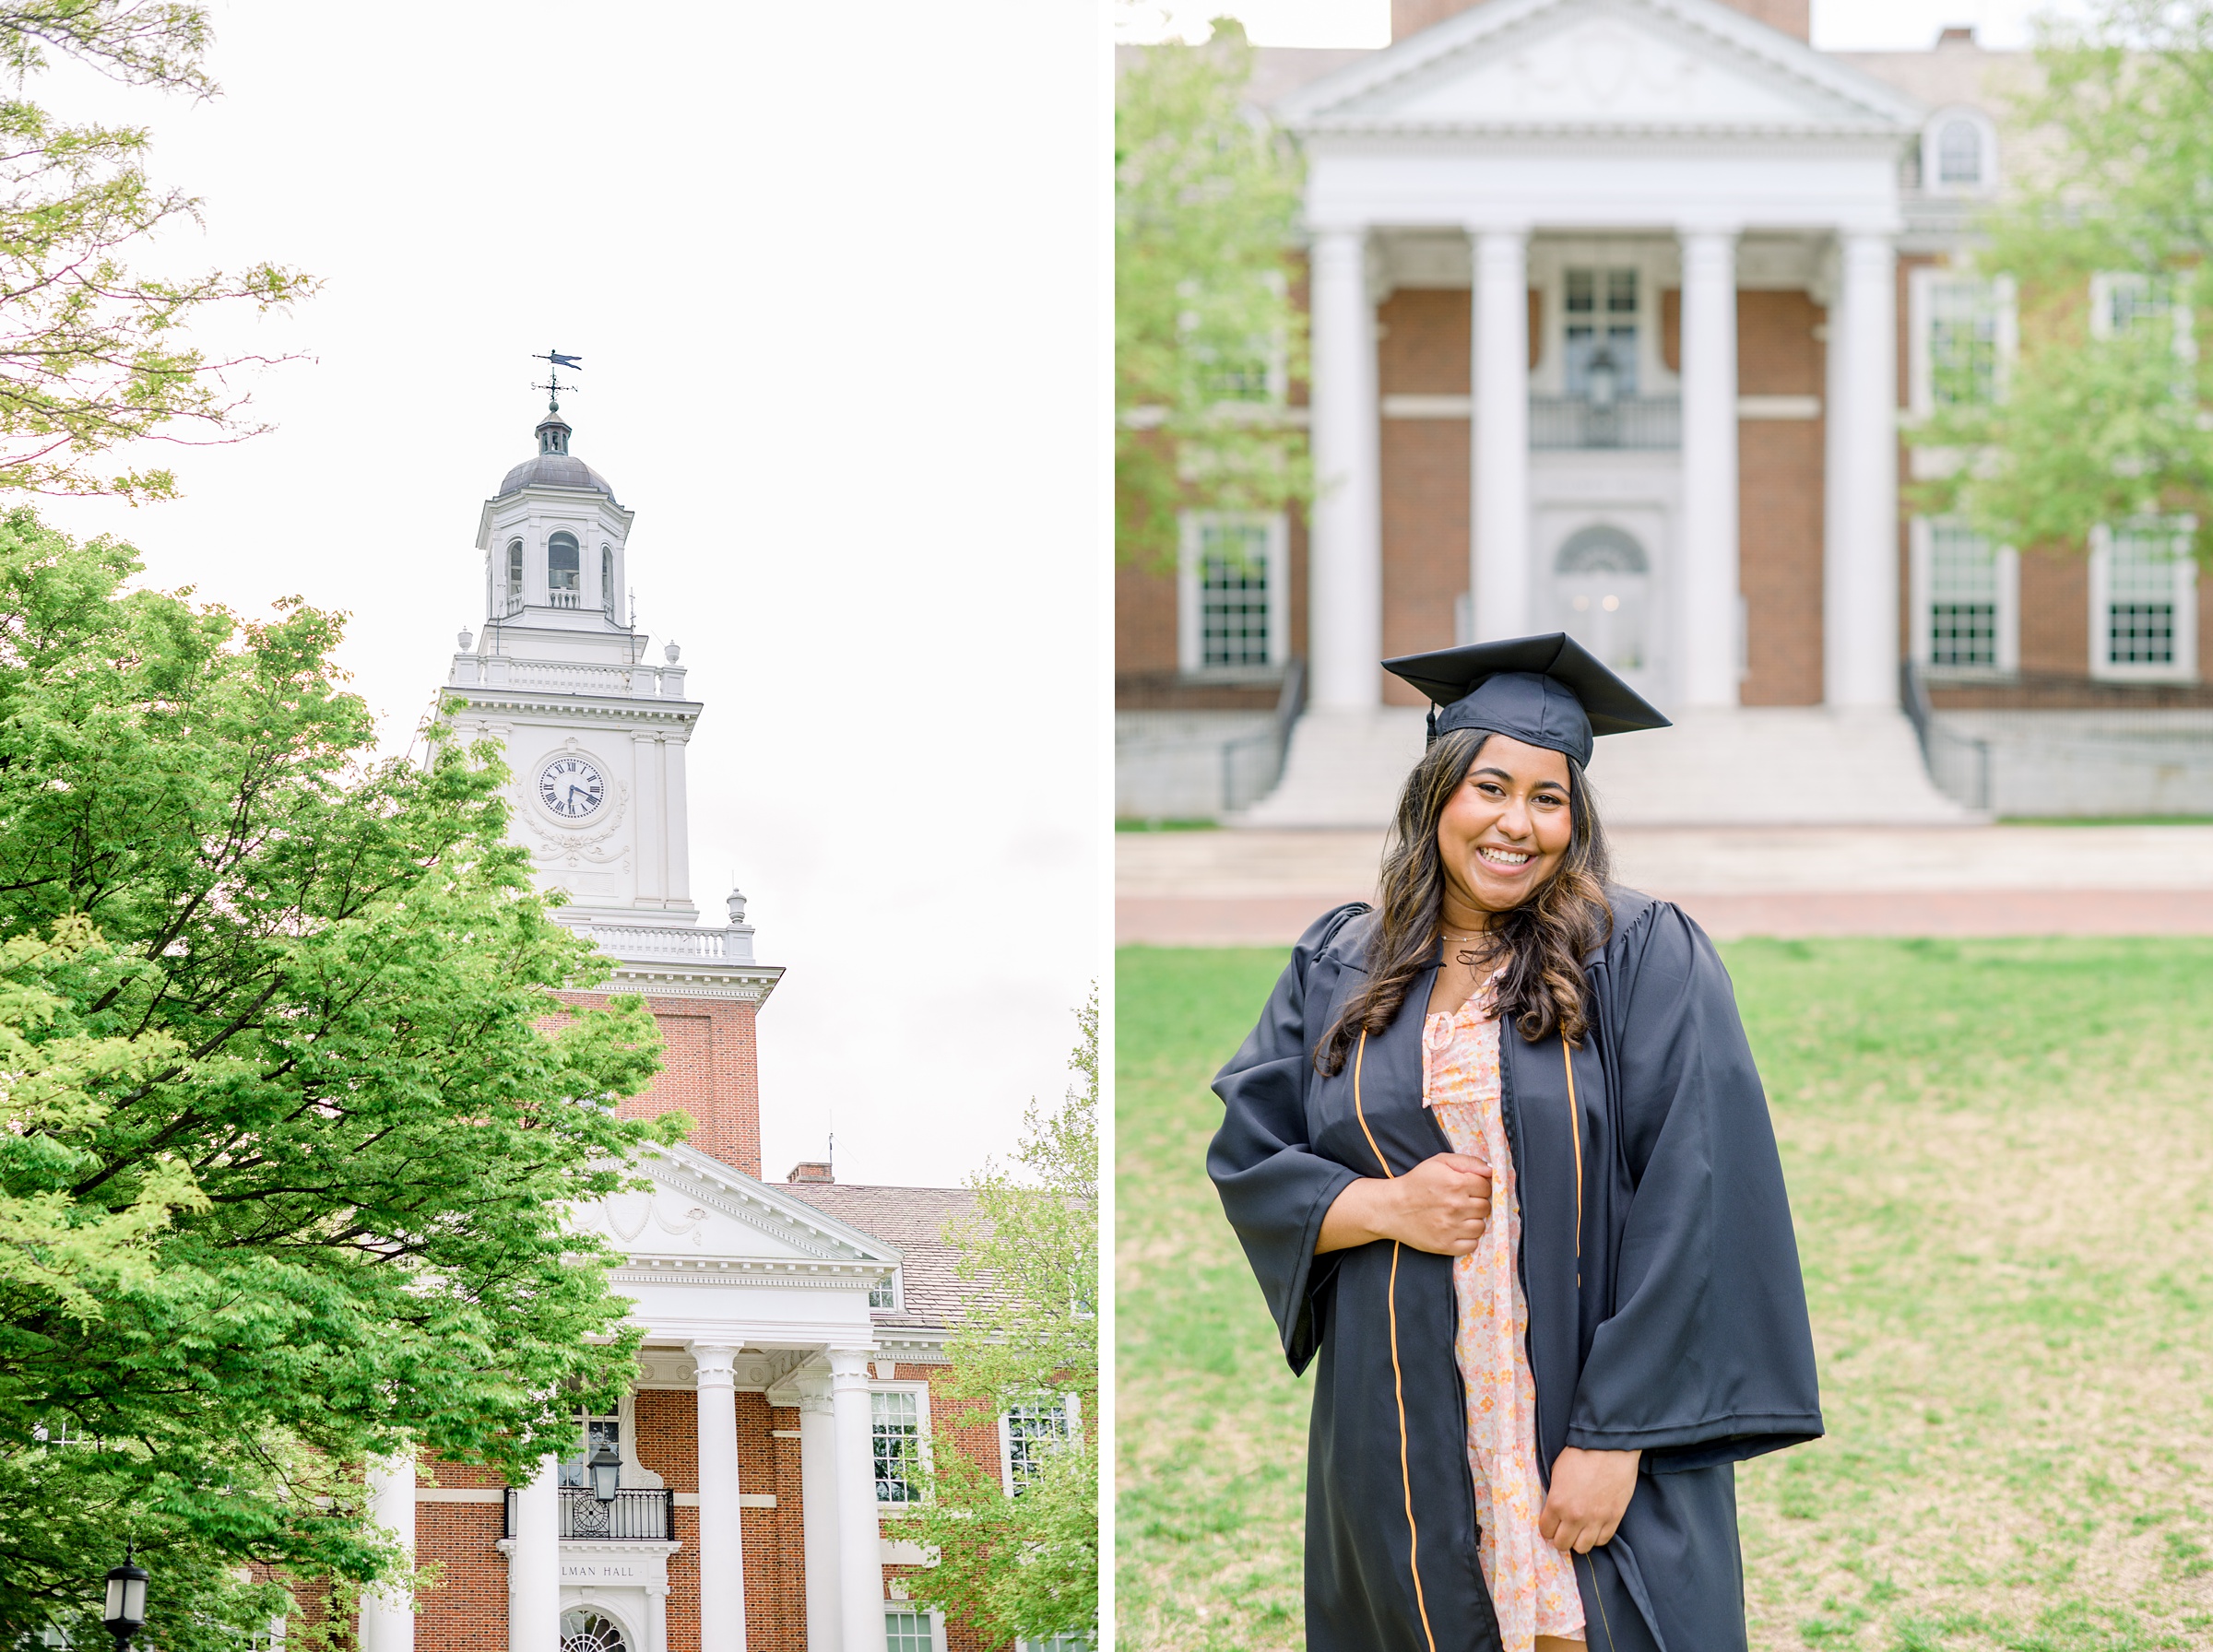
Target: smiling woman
{"x": 1588, "y": 1215}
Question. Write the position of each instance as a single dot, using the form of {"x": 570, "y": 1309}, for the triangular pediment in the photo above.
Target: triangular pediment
{"x": 1694, "y": 67}
{"x": 698, "y": 1210}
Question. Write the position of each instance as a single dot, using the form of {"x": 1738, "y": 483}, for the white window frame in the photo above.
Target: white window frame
{"x": 2105, "y": 284}
{"x": 1643, "y": 320}
{"x": 1922, "y": 542}
{"x": 1070, "y": 1403}
{"x": 623, "y": 1430}
{"x": 1931, "y": 141}
{"x": 1921, "y": 316}
{"x": 2183, "y": 667}
{"x": 937, "y": 1620}
{"x": 921, "y": 1392}
{"x": 1276, "y": 359}
{"x": 1189, "y": 643}
{"x": 897, "y": 1293}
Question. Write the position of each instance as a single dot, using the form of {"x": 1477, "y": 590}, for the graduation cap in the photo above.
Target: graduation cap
{"x": 1547, "y": 691}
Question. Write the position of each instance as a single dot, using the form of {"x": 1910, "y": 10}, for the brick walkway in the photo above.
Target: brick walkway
{"x": 1262, "y": 889}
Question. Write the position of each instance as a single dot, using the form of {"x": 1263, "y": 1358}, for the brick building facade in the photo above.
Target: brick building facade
{"x": 794, "y": 1332}
{"x": 1618, "y": 310}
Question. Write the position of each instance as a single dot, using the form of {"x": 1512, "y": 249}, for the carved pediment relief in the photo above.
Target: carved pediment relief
{"x": 692, "y": 1209}
{"x": 1584, "y": 64}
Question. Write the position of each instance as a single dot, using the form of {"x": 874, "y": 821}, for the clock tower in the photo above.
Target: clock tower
{"x": 595, "y": 729}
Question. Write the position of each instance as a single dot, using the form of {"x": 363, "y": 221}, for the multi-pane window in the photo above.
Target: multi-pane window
{"x": 1233, "y": 595}
{"x": 895, "y": 1436}
{"x": 597, "y": 1432}
{"x": 1599, "y": 308}
{"x": 2144, "y": 584}
{"x": 1962, "y": 321}
{"x": 606, "y": 583}
{"x": 514, "y": 575}
{"x": 884, "y": 1292}
{"x": 1243, "y": 379}
{"x": 1963, "y": 599}
{"x": 906, "y": 1631}
{"x": 2127, "y": 301}
{"x": 1032, "y": 1430}
{"x": 1959, "y": 153}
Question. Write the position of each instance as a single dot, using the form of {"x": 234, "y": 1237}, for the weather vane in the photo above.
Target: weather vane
{"x": 553, "y": 385}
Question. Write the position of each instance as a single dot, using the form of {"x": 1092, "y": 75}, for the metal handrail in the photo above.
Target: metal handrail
{"x": 1633, "y": 421}
{"x": 1290, "y": 703}
{"x": 1939, "y": 742}
{"x": 636, "y": 1516}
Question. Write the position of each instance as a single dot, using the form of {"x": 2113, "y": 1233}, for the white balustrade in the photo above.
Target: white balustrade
{"x": 569, "y": 677}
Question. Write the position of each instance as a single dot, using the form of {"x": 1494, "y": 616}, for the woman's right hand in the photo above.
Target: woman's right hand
{"x": 1441, "y": 1206}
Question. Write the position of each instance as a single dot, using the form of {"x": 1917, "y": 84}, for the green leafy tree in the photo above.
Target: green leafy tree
{"x": 1027, "y": 1563}
{"x": 2100, "y": 419}
{"x": 1207, "y": 337}
{"x": 289, "y": 1110}
{"x": 93, "y": 354}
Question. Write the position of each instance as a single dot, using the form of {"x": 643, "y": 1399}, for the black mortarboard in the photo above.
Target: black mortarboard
{"x": 1547, "y": 691}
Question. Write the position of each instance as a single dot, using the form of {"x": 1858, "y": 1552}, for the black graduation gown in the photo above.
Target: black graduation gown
{"x": 1666, "y": 1312}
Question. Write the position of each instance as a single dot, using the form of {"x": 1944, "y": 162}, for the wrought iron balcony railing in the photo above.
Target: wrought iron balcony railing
{"x": 1564, "y": 422}
{"x": 634, "y": 1516}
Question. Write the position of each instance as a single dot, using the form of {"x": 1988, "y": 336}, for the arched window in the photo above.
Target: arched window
{"x": 1960, "y": 152}
{"x": 607, "y": 580}
{"x": 584, "y": 1630}
{"x": 514, "y": 575}
{"x": 564, "y": 569}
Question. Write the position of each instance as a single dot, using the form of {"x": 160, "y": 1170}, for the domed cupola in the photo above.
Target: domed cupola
{"x": 553, "y": 538}
{"x": 553, "y": 466}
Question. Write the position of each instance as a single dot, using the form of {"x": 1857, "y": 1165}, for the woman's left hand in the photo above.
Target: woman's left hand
{"x": 1590, "y": 1492}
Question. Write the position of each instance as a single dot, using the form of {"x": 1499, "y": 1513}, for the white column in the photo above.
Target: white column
{"x": 860, "y": 1538}
{"x": 721, "y": 1539}
{"x": 657, "y": 1617}
{"x": 1707, "y": 647}
{"x": 1499, "y": 571}
{"x": 388, "y": 1614}
{"x": 680, "y": 828}
{"x": 817, "y": 1501}
{"x": 1836, "y": 392}
{"x": 1344, "y": 554}
{"x": 534, "y": 1564}
{"x": 1860, "y": 562}
{"x": 651, "y": 880}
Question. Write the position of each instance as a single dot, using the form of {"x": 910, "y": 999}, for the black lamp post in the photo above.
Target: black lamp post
{"x": 1604, "y": 376}
{"x": 606, "y": 1469}
{"x": 125, "y": 1613}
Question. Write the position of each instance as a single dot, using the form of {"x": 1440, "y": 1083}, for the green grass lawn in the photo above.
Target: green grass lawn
{"x": 2001, "y": 1163}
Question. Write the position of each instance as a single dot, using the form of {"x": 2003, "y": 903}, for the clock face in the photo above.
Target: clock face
{"x": 571, "y": 787}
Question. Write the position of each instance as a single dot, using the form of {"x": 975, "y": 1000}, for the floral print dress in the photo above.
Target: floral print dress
{"x": 1532, "y": 1583}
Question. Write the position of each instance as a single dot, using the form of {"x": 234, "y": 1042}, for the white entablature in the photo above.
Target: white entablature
{"x": 1601, "y": 114}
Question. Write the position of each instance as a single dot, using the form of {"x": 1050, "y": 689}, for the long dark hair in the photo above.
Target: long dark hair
{"x": 1542, "y": 941}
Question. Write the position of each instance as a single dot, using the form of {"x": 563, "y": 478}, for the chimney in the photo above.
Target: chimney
{"x": 810, "y": 1170}
{"x": 1957, "y": 34}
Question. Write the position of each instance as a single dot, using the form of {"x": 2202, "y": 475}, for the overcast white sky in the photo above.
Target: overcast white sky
{"x": 1838, "y": 25}
{"x": 838, "y": 275}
